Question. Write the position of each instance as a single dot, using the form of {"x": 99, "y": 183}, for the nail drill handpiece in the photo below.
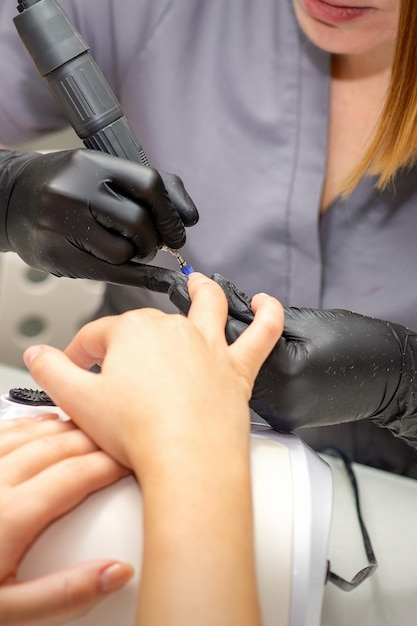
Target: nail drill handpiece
{"x": 62, "y": 57}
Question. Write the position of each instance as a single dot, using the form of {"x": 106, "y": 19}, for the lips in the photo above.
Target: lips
{"x": 339, "y": 5}
{"x": 333, "y": 13}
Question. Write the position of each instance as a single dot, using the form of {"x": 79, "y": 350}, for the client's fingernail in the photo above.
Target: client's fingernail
{"x": 195, "y": 275}
{"x": 115, "y": 576}
{"x": 43, "y": 417}
{"x": 30, "y": 354}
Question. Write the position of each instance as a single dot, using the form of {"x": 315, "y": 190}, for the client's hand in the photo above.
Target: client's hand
{"x": 159, "y": 373}
{"x": 47, "y": 468}
{"x": 171, "y": 402}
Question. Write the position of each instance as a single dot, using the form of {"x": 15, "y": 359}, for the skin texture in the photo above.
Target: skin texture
{"x": 179, "y": 396}
{"x": 47, "y": 468}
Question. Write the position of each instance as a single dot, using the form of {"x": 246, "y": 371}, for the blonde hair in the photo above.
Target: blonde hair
{"x": 394, "y": 144}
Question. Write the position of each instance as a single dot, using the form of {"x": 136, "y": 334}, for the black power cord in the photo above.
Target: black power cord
{"x": 367, "y": 571}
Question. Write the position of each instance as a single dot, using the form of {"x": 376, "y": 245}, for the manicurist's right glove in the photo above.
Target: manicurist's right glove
{"x": 330, "y": 367}
{"x": 75, "y": 212}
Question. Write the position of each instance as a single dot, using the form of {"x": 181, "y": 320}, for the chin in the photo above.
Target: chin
{"x": 333, "y": 40}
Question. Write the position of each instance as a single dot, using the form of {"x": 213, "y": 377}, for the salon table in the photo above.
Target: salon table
{"x": 389, "y": 508}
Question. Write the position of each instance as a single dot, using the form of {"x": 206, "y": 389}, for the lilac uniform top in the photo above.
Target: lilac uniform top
{"x": 233, "y": 98}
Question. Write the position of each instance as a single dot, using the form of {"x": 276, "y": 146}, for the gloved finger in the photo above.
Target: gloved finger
{"x": 180, "y": 198}
{"x": 303, "y": 323}
{"x": 143, "y": 184}
{"x": 151, "y": 190}
{"x": 240, "y": 312}
{"x": 234, "y": 328}
{"x": 131, "y": 219}
{"x": 151, "y": 277}
{"x": 63, "y": 595}
{"x": 239, "y": 303}
{"x": 178, "y": 294}
{"x": 98, "y": 242}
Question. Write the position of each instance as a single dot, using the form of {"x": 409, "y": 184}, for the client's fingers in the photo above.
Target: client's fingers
{"x": 49, "y": 495}
{"x": 89, "y": 345}
{"x": 39, "y": 454}
{"x": 63, "y": 486}
{"x": 17, "y": 432}
{"x": 254, "y": 345}
{"x": 61, "y": 596}
{"x": 208, "y": 311}
{"x": 49, "y": 366}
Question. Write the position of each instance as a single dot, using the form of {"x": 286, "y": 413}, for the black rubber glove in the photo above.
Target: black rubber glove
{"x": 329, "y": 367}
{"x": 71, "y": 213}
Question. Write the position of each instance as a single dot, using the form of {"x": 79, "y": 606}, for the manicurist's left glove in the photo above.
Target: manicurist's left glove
{"x": 80, "y": 212}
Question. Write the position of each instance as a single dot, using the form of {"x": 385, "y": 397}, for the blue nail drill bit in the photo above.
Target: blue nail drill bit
{"x": 185, "y": 267}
